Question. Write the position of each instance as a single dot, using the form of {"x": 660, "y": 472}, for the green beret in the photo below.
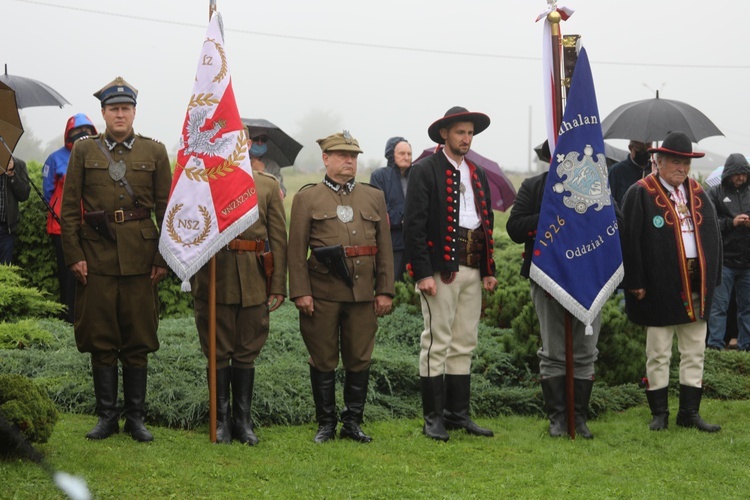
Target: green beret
{"x": 341, "y": 141}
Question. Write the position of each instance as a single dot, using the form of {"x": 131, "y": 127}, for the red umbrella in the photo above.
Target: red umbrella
{"x": 502, "y": 190}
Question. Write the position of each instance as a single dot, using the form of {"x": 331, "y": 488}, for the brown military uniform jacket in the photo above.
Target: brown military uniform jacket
{"x": 88, "y": 185}
{"x": 315, "y": 223}
{"x": 239, "y": 277}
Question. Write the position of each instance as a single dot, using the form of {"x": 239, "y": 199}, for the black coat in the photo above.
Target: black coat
{"x": 432, "y": 214}
{"x": 17, "y": 189}
{"x": 730, "y": 202}
{"x": 654, "y": 258}
{"x": 624, "y": 174}
{"x": 524, "y": 217}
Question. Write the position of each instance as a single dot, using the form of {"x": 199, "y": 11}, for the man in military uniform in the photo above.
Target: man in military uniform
{"x": 250, "y": 283}
{"x": 448, "y": 235}
{"x": 119, "y": 179}
{"x": 344, "y": 285}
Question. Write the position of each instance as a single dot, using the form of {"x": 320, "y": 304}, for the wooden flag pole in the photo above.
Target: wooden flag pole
{"x": 554, "y": 20}
{"x": 212, "y": 323}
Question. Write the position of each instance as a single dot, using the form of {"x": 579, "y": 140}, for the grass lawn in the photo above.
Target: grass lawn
{"x": 625, "y": 460}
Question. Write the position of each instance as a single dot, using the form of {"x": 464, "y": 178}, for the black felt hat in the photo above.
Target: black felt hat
{"x": 677, "y": 144}
{"x": 458, "y": 114}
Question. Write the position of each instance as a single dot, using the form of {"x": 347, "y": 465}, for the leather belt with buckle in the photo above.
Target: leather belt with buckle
{"x": 246, "y": 245}
{"x": 120, "y": 216}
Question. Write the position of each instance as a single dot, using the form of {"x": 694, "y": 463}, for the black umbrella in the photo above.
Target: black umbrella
{"x": 281, "y": 147}
{"x": 30, "y": 92}
{"x": 10, "y": 125}
{"x": 652, "y": 119}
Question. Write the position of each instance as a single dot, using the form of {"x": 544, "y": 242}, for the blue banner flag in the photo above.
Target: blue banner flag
{"x": 577, "y": 257}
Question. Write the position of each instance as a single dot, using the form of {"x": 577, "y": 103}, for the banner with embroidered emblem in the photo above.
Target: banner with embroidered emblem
{"x": 577, "y": 257}
{"x": 213, "y": 198}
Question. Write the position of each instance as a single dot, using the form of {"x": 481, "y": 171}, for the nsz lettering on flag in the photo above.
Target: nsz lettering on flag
{"x": 213, "y": 198}
{"x": 577, "y": 257}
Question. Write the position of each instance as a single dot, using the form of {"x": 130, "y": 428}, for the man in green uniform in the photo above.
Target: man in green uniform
{"x": 120, "y": 180}
{"x": 343, "y": 286}
{"x": 245, "y": 295}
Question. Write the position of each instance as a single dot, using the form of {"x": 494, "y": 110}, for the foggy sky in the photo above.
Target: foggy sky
{"x": 383, "y": 68}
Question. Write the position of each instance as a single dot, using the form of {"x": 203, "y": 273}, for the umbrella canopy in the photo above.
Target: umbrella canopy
{"x": 30, "y": 92}
{"x": 281, "y": 147}
{"x": 10, "y": 124}
{"x": 502, "y": 190}
{"x": 652, "y": 119}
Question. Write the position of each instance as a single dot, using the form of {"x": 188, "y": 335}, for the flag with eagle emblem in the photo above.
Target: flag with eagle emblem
{"x": 213, "y": 196}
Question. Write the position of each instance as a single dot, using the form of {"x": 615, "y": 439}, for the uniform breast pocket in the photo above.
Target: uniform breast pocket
{"x": 370, "y": 222}
{"x": 141, "y": 173}
{"x": 96, "y": 173}
{"x": 325, "y": 225}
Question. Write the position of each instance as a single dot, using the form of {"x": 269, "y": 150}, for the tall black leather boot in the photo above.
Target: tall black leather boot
{"x": 355, "y": 394}
{"x": 553, "y": 390}
{"x": 105, "y": 391}
{"x": 582, "y": 396}
{"x": 324, "y": 395}
{"x": 223, "y": 424}
{"x": 690, "y": 403}
{"x": 134, "y": 392}
{"x": 243, "y": 380}
{"x": 433, "y": 403}
{"x": 658, "y": 401}
{"x": 457, "y": 401}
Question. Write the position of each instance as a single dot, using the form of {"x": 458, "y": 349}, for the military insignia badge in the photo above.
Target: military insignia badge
{"x": 347, "y": 137}
{"x": 117, "y": 170}
{"x": 585, "y": 178}
{"x": 345, "y": 213}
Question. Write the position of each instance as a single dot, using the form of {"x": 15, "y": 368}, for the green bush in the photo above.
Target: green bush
{"x": 28, "y": 407}
{"x": 173, "y": 302}
{"x": 34, "y": 252}
{"x": 19, "y": 301}
{"x": 25, "y": 333}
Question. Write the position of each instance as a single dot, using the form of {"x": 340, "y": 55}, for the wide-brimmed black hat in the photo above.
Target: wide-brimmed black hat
{"x": 458, "y": 114}
{"x": 677, "y": 144}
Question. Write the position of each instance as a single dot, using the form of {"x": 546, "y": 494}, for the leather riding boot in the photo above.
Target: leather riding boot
{"x": 433, "y": 402}
{"x": 582, "y": 396}
{"x": 324, "y": 395}
{"x": 457, "y": 402}
{"x": 223, "y": 425}
{"x": 134, "y": 394}
{"x": 553, "y": 390}
{"x": 355, "y": 394}
{"x": 243, "y": 380}
{"x": 658, "y": 401}
{"x": 105, "y": 391}
{"x": 690, "y": 403}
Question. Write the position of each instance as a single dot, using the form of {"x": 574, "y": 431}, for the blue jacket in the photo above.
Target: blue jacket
{"x": 55, "y": 168}
{"x": 388, "y": 180}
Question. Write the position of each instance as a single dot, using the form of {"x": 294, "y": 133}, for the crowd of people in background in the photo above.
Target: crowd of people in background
{"x": 685, "y": 252}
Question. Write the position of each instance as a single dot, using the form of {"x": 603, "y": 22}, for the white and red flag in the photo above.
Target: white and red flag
{"x": 551, "y": 92}
{"x": 213, "y": 197}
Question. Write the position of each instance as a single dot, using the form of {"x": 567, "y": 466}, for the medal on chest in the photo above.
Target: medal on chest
{"x": 345, "y": 213}
{"x": 117, "y": 170}
{"x": 682, "y": 208}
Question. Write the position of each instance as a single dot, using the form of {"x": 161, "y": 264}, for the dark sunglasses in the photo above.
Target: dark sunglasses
{"x": 261, "y": 139}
